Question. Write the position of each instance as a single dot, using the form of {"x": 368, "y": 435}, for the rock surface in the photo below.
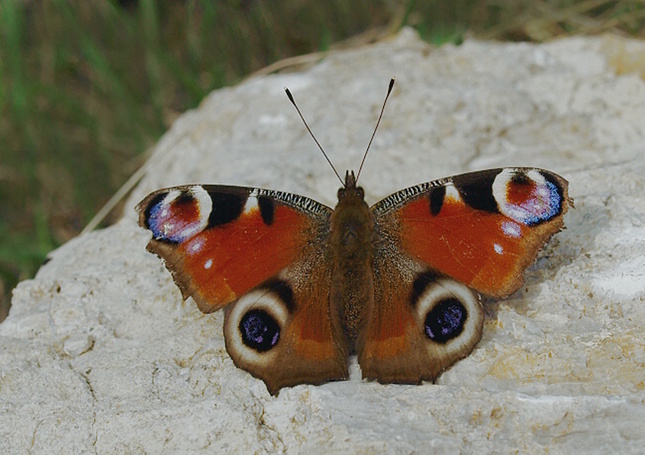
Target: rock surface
{"x": 99, "y": 353}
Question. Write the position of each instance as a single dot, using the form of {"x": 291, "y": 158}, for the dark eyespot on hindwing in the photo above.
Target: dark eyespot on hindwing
{"x": 253, "y": 326}
{"x": 446, "y": 320}
{"x": 449, "y": 315}
{"x": 259, "y": 330}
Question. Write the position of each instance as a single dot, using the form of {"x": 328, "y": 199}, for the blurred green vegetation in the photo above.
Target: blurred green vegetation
{"x": 87, "y": 86}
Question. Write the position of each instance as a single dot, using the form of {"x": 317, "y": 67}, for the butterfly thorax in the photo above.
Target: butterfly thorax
{"x": 352, "y": 243}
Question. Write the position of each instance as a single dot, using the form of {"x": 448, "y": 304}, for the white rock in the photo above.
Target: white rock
{"x": 99, "y": 354}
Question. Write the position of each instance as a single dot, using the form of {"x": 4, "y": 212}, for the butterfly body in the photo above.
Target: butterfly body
{"x": 351, "y": 243}
{"x": 397, "y": 284}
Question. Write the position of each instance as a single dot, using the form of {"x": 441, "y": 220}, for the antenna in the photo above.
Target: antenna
{"x": 290, "y": 96}
{"x": 378, "y": 122}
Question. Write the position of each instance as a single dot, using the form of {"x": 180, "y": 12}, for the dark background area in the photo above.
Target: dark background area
{"x": 87, "y": 87}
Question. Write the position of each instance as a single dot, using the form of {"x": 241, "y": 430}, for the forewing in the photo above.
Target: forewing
{"x": 220, "y": 242}
{"x": 266, "y": 251}
{"x": 438, "y": 243}
{"x": 483, "y": 228}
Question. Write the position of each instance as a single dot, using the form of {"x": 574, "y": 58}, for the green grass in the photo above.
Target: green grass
{"x": 87, "y": 86}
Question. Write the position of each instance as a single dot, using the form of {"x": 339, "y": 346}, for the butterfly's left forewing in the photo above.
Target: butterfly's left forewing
{"x": 256, "y": 251}
{"x": 220, "y": 242}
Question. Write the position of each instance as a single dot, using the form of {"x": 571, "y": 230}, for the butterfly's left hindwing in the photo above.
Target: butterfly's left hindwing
{"x": 281, "y": 331}
{"x": 262, "y": 253}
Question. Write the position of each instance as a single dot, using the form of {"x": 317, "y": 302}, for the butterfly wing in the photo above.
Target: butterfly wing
{"x": 421, "y": 322}
{"x": 478, "y": 230}
{"x": 254, "y": 250}
{"x": 483, "y": 228}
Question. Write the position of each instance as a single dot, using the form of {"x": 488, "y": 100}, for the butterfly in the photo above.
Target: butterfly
{"x": 398, "y": 284}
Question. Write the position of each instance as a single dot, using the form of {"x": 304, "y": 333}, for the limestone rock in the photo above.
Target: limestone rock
{"x": 99, "y": 353}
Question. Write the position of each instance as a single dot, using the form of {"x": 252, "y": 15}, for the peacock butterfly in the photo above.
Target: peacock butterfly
{"x": 305, "y": 286}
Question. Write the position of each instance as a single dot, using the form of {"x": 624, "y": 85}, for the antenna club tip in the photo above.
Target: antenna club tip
{"x": 289, "y": 95}
{"x": 389, "y": 89}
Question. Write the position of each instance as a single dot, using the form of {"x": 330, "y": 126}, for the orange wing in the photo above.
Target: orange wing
{"x": 256, "y": 250}
{"x": 436, "y": 241}
{"x": 482, "y": 229}
{"x": 419, "y": 324}
{"x": 220, "y": 242}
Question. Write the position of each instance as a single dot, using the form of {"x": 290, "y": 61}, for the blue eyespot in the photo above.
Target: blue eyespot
{"x": 260, "y": 331}
{"x": 446, "y": 320}
{"x": 545, "y": 206}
